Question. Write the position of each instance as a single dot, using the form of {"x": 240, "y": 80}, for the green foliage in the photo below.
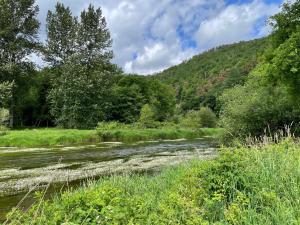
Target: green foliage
{"x": 147, "y": 117}
{"x": 67, "y": 36}
{"x": 255, "y": 107}
{"x": 286, "y": 22}
{"x": 18, "y": 34}
{"x": 5, "y": 93}
{"x": 79, "y": 95}
{"x": 93, "y": 37}
{"x": 285, "y": 64}
{"x": 268, "y": 100}
{"x": 115, "y": 131}
{"x": 207, "y": 117}
{"x": 241, "y": 186}
{"x": 202, "y": 79}
{"x": 61, "y": 35}
{"x": 204, "y": 117}
{"x": 132, "y": 92}
{"x": 191, "y": 119}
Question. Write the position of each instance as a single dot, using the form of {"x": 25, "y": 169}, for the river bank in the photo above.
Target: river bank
{"x": 257, "y": 185}
{"x": 53, "y": 137}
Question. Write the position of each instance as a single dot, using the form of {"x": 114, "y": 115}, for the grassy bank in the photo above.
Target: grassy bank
{"x": 46, "y": 137}
{"x": 132, "y": 135}
{"x": 53, "y": 137}
{"x": 260, "y": 185}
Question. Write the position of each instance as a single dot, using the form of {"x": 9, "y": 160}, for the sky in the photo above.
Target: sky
{"x": 152, "y": 35}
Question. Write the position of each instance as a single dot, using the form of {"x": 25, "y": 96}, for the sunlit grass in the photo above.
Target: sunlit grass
{"x": 54, "y": 136}
{"x": 46, "y": 137}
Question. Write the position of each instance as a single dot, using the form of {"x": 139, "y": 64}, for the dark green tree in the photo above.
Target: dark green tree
{"x": 18, "y": 39}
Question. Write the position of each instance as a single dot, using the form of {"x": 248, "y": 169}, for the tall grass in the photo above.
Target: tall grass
{"x": 134, "y": 132}
{"x": 257, "y": 185}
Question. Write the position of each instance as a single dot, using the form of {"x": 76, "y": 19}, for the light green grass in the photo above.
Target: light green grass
{"x": 258, "y": 185}
{"x": 54, "y": 137}
{"x": 46, "y": 137}
{"x": 131, "y": 135}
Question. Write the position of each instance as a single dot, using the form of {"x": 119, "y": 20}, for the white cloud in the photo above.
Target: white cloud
{"x": 234, "y": 23}
{"x": 150, "y": 35}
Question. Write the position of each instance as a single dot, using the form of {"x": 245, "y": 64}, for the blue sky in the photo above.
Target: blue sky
{"x": 151, "y": 35}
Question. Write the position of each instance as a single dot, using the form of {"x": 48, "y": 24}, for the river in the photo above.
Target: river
{"x": 24, "y": 170}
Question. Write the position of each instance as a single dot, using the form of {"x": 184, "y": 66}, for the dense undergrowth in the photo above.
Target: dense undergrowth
{"x": 257, "y": 185}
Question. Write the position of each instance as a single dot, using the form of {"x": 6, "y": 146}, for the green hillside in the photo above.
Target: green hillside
{"x": 200, "y": 80}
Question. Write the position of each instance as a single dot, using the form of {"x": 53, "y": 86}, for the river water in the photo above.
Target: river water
{"x": 24, "y": 170}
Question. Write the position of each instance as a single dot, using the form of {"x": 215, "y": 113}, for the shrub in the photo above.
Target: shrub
{"x": 207, "y": 117}
{"x": 147, "y": 117}
{"x": 204, "y": 117}
{"x": 191, "y": 120}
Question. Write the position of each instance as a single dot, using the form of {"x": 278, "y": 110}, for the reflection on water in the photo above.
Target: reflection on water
{"x": 27, "y": 168}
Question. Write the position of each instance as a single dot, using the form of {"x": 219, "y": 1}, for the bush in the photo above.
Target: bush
{"x": 207, "y": 117}
{"x": 191, "y": 120}
{"x": 204, "y": 117}
{"x": 147, "y": 117}
{"x": 254, "y": 108}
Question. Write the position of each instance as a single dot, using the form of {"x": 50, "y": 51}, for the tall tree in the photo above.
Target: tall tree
{"x": 79, "y": 94}
{"x": 61, "y": 35}
{"x": 18, "y": 39}
{"x": 94, "y": 37}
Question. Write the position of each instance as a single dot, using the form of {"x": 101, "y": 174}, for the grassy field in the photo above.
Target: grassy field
{"x": 53, "y": 137}
{"x": 258, "y": 185}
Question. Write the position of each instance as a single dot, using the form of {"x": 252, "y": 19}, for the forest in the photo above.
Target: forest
{"x": 244, "y": 96}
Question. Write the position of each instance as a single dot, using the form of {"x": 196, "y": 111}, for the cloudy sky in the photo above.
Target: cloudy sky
{"x": 151, "y": 35}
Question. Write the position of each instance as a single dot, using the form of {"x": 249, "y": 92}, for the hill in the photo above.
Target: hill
{"x": 200, "y": 80}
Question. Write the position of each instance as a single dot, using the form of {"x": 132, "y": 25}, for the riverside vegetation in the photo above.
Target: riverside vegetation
{"x": 249, "y": 89}
{"x": 242, "y": 186}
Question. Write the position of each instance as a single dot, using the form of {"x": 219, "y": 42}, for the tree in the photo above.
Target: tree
{"x": 94, "y": 37}
{"x": 207, "y": 117}
{"x": 79, "y": 96}
{"x": 147, "y": 117}
{"x": 5, "y": 93}
{"x": 163, "y": 100}
{"x": 18, "y": 39}
{"x": 128, "y": 97}
{"x": 284, "y": 66}
{"x": 61, "y": 35}
{"x": 286, "y": 22}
